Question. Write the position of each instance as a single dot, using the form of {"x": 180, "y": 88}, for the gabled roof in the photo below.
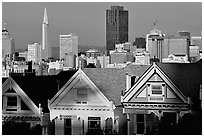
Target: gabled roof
{"x": 78, "y": 76}
{"x": 154, "y": 69}
{"x": 10, "y": 83}
{"x": 186, "y": 76}
{"x": 41, "y": 88}
{"x": 112, "y": 81}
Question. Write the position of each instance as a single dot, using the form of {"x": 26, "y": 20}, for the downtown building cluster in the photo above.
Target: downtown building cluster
{"x": 153, "y": 86}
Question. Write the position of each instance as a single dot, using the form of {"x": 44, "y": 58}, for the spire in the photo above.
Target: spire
{"x": 45, "y": 20}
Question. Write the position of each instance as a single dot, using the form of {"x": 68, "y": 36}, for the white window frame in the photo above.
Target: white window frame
{"x": 17, "y": 107}
{"x": 156, "y": 84}
{"x": 6, "y": 107}
{"x": 162, "y": 90}
{"x": 150, "y": 95}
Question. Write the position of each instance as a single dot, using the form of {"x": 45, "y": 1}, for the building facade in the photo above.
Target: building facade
{"x": 68, "y": 44}
{"x": 155, "y": 104}
{"x": 24, "y": 54}
{"x": 162, "y": 46}
{"x": 161, "y": 98}
{"x": 92, "y": 53}
{"x": 8, "y": 47}
{"x": 141, "y": 57}
{"x": 116, "y": 27}
{"x": 104, "y": 61}
{"x": 197, "y": 41}
{"x": 79, "y": 107}
{"x": 140, "y": 42}
{"x": 20, "y": 116}
{"x": 176, "y": 58}
{"x": 34, "y": 53}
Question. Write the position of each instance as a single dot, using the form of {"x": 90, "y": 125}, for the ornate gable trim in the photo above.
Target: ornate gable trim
{"x": 74, "y": 79}
{"x": 146, "y": 76}
{"x": 11, "y": 83}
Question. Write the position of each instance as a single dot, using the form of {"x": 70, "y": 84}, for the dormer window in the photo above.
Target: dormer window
{"x": 12, "y": 101}
{"x": 156, "y": 91}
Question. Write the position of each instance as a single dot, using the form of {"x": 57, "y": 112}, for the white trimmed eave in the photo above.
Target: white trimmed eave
{"x": 92, "y": 85}
{"x": 77, "y": 76}
{"x": 21, "y": 93}
{"x": 154, "y": 68}
{"x": 55, "y": 98}
{"x": 138, "y": 84}
{"x": 171, "y": 84}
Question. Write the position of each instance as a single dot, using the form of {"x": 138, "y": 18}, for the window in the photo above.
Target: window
{"x": 140, "y": 124}
{"x": 156, "y": 92}
{"x": 156, "y": 89}
{"x": 94, "y": 122}
{"x": 67, "y": 126}
{"x": 12, "y": 101}
{"x": 82, "y": 96}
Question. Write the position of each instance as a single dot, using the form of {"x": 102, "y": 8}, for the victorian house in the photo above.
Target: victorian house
{"x": 165, "y": 99}
{"x": 137, "y": 99}
{"x": 25, "y": 103}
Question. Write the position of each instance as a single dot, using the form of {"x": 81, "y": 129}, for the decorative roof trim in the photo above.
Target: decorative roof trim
{"x": 153, "y": 69}
{"x": 77, "y": 76}
{"x": 10, "y": 82}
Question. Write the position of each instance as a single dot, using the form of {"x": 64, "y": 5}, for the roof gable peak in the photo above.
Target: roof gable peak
{"x": 154, "y": 69}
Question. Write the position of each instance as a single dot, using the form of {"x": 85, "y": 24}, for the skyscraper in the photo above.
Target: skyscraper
{"x": 116, "y": 27}
{"x": 45, "y": 46}
{"x": 68, "y": 44}
{"x": 7, "y": 43}
{"x": 69, "y": 49}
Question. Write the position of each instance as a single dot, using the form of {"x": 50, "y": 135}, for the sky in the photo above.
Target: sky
{"x": 87, "y": 20}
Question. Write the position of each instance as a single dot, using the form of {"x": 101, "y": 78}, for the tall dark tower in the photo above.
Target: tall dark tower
{"x": 116, "y": 27}
{"x": 45, "y": 47}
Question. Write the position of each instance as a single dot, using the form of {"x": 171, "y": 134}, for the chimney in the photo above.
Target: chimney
{"x": 133, "y": 79}
{"x": 128, "y": 81}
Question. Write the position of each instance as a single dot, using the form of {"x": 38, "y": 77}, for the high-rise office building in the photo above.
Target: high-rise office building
{"x": 34, "y": 53}
{"x": 116, "y": 27}
{"x": 8, "y": 47}
{"x": 163, "y": 46}
{"x": 45, "y": 46}
{"x": 68, "y": 49}
{"x": 68, "y": 44}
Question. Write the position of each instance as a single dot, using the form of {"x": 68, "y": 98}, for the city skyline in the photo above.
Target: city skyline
{"x": 87, "y": 20}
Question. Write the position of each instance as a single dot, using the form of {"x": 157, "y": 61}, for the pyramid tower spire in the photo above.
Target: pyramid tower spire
{"x": 45, "y": 46}
{"x": 45, "y": 19}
